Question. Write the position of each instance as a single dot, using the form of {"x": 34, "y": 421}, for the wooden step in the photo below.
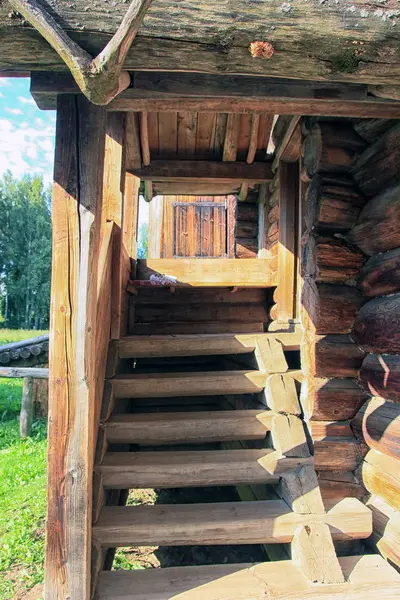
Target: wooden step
{"x": 196, "y": 345}
{"x": 265, "y": 522}
{"x": 152, "y": 429}
{"x": 367, "y": 577}
{"x": 201, "y": 383}
{"x": 128, "y": 470}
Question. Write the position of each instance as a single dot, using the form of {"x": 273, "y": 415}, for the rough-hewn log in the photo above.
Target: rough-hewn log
{"x": 330, "y": 356}
{"x": 337, "y": 454}
{"x": 380, "y": 474}
{"x": 333, "y": 204}
{"x": 371, "y": 129}
{"x": 37, "y": 373}
{"x": 330, "y": 259}
{"x": 76, "y": 210}
{"x": 380, "y": 376}
{"x": 197, "y": 170}
{"x": 376, "y": 168}
{"x": 331, "y": 148}
{"x": 336, "y": 485}
{"x": 330, "y": 399}
{"x": 378, "y": 226}
{"x": 381, "y": 274}
{"x": 329, "y": 308}
{"x": 247, "y": 211}
{"x": 386, "y": 530}
{"x": 378, "y": 424}
{"x": 340, "y": 44}
{"x": 377, "y": 326}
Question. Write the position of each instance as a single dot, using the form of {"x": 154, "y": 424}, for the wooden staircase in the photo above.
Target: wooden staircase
{"x": 172, "y": 420}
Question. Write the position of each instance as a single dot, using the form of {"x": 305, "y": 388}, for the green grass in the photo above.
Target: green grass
{"x": 22, "y": 489}
{"x": 16, "y": 335}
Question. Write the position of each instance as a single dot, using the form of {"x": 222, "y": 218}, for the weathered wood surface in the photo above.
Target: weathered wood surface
{"x": 336, "y": 485}
{"x": 376, "y": 168}
{"x": 300, "y": 490}
{"x": 77, "y": 193}
{"x": 331, "y": 399}
{"x": 330, "y": 356}
{"x": 377, "y": 326}
{"x": 331, "y": 148}
{"x": 330, "y": 308}
{"x": 330, "y": 259}
{"x": 34, "y": 372}
{"x": 25, "y": 352}
{"x": 27, "y": 408}
{"x": 313, "y": 550}
{"x": 372, "y": 129}
{"x": 337, "y": 454}
{"x": 332, "y": 203}
{"x": 378, "y": 424}
{"x": 378, "y": 226}
{"x": 380, "y": 376}
{"x": 329, "y": 42}
{"x": 380, "y": 474}
{"x": 203, "y": 171}
{"x": 386, "y": 534}
{"x": 381, "y": 274}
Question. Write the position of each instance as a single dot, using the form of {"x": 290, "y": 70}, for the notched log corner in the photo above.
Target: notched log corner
{"x": 101, "y": 79}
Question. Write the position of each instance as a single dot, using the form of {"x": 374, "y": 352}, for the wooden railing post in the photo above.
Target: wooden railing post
{"x": 76, "y": 216}
{"x": 26, "y": 415}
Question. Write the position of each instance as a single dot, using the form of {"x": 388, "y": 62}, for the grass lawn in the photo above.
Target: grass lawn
{"x": 22, "y": 489}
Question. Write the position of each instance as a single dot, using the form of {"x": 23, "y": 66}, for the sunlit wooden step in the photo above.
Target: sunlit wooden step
{"x": 367, "y": 577}
{"x": 128, "y": 470}
{"x": 151, "y": 429}
{"x": 268, "y": 522}
{"x": 202, "y": 383}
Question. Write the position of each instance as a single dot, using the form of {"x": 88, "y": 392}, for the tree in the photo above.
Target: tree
{"x": 25, "y": 252}
{"x": 143, "y": 241}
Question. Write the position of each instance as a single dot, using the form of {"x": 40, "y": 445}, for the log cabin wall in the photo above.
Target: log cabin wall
{"x": 330, "y": 302}
{"x": 376, "y": 234}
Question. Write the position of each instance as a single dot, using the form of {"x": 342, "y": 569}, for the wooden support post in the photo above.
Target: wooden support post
{"x": 287, "y": 261}
{"x": 76, "y": 215}
{"x": 26, "y": 416}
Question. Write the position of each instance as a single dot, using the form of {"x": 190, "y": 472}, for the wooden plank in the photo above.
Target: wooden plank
{"x": 35, "y": 372}
{"x": 188, "y": 384}
{"x": 269, "y": 521}
{"x": 367, "y": 576}
{"x": 182, "y": 328}
{"x": 287, "y": 287}
{"x": 135, "y": 470}
{"x": 197, "y": 171}
{"x": 77, "y": 196}
{"x": 168, "y": 133}
{"x": 202, "y": 427}
{"x": 200, "y": 312}
{"x": 187, "y": 131}
{"x": 231, "y": 138}
{"x": 217, "y": 272}
{"x": 195, "y": 188}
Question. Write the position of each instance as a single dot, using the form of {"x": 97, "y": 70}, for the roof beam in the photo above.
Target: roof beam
{"x": 168, "y": 91}
{"x": 199, "y": 171}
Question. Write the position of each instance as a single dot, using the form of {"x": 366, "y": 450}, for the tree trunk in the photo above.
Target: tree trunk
{"x": 380, "y": 376}
{"x": 381, "y": 274}
{"x": 377, "y": 326}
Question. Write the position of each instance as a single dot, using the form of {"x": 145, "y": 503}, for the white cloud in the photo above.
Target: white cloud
{"x": 24, "y": 100}
{"x": 14, "y": 111}
{"x": 1, "y": 95}
{"x": 4, "y": 82}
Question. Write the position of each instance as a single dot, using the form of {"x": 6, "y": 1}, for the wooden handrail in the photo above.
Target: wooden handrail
{"x": 35, "y": 373}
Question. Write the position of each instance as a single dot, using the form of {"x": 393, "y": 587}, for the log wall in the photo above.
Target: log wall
{"x": 376, "y": 233}
{"x": 330, "y": 301}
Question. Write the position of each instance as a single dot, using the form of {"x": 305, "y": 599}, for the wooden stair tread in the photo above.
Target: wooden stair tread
{"x": 366, "y": 577}
{"x": 200, "y": 344}
{"x": 128, "y": 470}
{"x": 200, "y": 383}
{"x": 223, "y": 523}
{"x": 178, "y": 427}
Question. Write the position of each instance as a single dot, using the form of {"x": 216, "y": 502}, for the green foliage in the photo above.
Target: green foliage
{"x": 7, "y": 336}
{"x": 143, "y": 241}
{"x": 25, "y": 252}
{"x": 345, "y": 62}
{"x": 22, "y": 496}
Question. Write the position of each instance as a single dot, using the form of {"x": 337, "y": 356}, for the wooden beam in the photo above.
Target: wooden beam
{"x": 76, "y": 210}
{"x": 217, "y": 272}
{"x": 204, "y": 92}
{"x": 144, "y": 138}
{"x": 288, "y": 185}
{"x": 231, "y": 138}
{"x": 202, "y": 171}
{"x": 195, "y": 188}
{"x": 18, "y": 372}
{"x": 284, "y": 141}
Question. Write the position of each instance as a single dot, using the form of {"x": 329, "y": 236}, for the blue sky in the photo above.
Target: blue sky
{"x": 26, "y": 133}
